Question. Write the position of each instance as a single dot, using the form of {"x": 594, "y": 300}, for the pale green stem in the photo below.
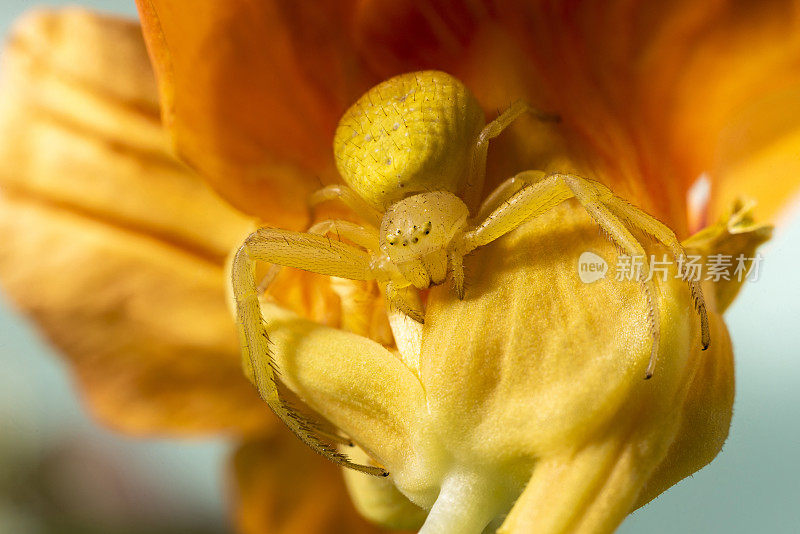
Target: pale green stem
{"x": 466, "y": 505}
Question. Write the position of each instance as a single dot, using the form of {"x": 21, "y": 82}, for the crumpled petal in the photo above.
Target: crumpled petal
{"x": 735, "y": 234}
{"x": 111, "y": 245}
{"x": 117, "y": 251}
{"x": 79, "y": 101}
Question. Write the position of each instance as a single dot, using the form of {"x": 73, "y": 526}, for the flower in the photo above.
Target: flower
{"x": 545, "y": 384}
{"x": 116, "y": 250}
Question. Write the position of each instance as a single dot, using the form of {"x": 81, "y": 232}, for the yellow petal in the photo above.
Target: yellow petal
{"x": 705, "y": 417}
{"x": 556, "y": 361}
{"x": 534, "y": 381}
{"x": 378, "y": 499}
{"x": 352, "y": 381}
{"x": 113, "y": 247}
{"x": 736, "y": 235}
{"x": 706, "y": 413}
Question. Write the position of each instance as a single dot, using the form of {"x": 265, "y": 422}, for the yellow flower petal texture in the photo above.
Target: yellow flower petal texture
{"x": 533, "y": 382}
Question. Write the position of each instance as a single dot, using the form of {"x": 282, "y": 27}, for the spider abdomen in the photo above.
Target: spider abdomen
{"x": 410, "y": 134}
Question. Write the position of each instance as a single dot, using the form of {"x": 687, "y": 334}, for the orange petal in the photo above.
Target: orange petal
{"x": 79, "y": 100}
{"x": 646, "y": 90}
{"x": 576, "y": 59}
{"x": 114, "y": 248}
{"x": 284, "y": 488}
{"x": 736, "y": 112}
{"x": 252, "y": 93}
{"x": 651, "y": 94}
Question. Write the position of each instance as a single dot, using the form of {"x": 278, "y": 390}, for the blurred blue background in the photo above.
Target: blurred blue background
{"x": 179, "y": 486}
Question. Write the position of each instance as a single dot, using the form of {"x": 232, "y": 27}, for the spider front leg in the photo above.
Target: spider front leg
{"x": 304, "y": 251}
{"x": 507, "y": 190}
{"x": 364, "y": 237}
{"x": 607, "y": 210}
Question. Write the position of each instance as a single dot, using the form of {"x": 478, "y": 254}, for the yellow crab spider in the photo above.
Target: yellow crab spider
{"x": 412, "y": 151}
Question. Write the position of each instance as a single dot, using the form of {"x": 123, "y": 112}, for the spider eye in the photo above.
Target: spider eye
{"x": 427, "y": 232}
{"x": 415, "y": 240}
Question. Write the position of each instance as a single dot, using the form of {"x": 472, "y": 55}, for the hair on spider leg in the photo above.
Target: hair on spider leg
{"x": 276, "y": 371}
{"x": 312, "y": 423}
{"x": 311, "y": 434}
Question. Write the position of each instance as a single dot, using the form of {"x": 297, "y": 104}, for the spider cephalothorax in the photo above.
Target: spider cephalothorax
{"x": 412, "y": 152}
{"x": 418, "y": 233}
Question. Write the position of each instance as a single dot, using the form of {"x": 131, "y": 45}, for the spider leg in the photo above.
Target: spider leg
{"x": 367, "y": 238}
{"x": 362, "y": 236}
{"x": 477, "y": 168}
{"x": 397, "y": 293}
{"x": 351, "y": 199}
{"x": 610, "y": 213}
{"x": 304, "y": 251}
{"x": 621, "y": 237}
{"x": 639, "y": 219}
{"x": 527, "y": 203}
{"x": 506, "y": 190}
{"x": 456, "y": 260}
